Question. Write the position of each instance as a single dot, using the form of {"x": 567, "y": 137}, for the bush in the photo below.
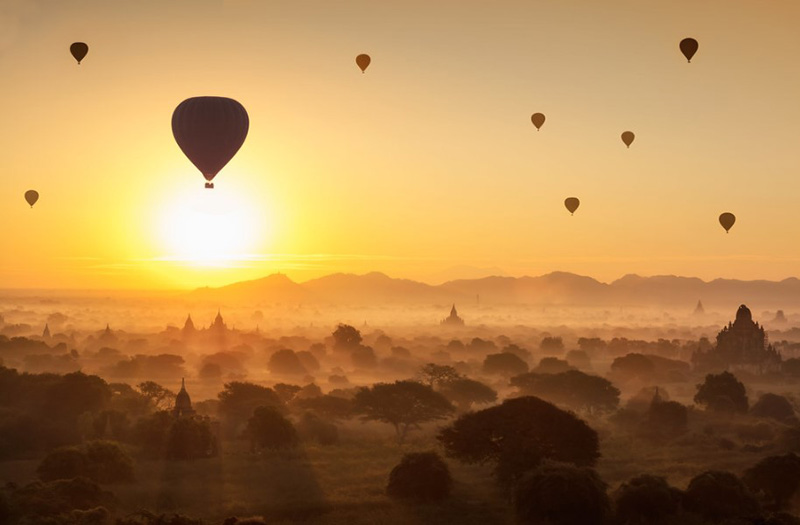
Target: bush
{"x": 772, "y": 406}
{"x": 101, "y": 461}
{"x": 269, "y": 429}
{"x": 717, "y": 495}
{"x": 560, "y": 494}
{"x": 63, "y": 463}
{"x": 505, "y": 364}
{"x": 646, "y": 499}
{"x": 421, "y": 476}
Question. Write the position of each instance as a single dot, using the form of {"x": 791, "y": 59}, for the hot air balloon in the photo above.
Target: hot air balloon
{"x": 363, "y": 61}
{"x": 538, "y": 120}
{"x": 727, "y": 220}
{"x": 79, "y": 50}
{"x": 210, "y": 130}
{"x": 627, "y": 138}
{"x": 572, "y": 204}
{"x": 689, "y": 48}
{"x": 31, "y": 196}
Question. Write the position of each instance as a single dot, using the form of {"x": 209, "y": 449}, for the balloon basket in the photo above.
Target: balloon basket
{"x": 210, "y": 185}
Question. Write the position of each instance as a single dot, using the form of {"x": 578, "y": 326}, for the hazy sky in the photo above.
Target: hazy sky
{"x": 429, "y": 160}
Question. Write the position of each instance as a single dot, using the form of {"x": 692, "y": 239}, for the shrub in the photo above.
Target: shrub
{"x": 421, "y": 476}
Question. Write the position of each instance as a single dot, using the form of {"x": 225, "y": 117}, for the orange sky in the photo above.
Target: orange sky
{"x": 427, "y": 161}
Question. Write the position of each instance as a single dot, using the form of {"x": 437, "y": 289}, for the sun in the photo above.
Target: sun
{"x": 220, "y": 227}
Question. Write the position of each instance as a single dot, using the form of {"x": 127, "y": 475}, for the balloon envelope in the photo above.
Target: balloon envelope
{"x": 31, "y": 196}
{"x": 572, "y": 204}
{"x": 209, "y": 131}
{"x": 538, "y": 120}
{"x": 363, "y": 61}
{"x": 689, "y": 48}
{"x": 79, "y": 50}
{"x": 627, "y": 138}
{"x": 727, "y": 220}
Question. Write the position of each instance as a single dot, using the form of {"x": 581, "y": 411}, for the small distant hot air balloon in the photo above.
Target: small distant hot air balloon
{"x": 31, "y": 196}
{"x": 572, "y": 204}
{"x": 79, "y": 50}
{"x": 538, "y": 120}
{"x": 689, "y": 48}
{"x": 209, "y": 131}
{"x": 627, "y": 138}
{"x": 727, "y": 220}
{"x": 363, "y": 62}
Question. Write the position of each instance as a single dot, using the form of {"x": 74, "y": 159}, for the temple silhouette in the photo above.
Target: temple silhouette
{"x": 453, "y": 319}
{"x": 742, "y": 345}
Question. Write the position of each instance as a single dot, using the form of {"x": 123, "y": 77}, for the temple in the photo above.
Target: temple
{"x": 183, "y": 403}
{"x": 453, "y": 319}
{"x": 742, "y": 345}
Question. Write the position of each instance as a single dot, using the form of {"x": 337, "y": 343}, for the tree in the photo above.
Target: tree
{"x": 722, "y": 393}
{"x": 646, "y": 499}
{"x": 159, "y": 397}
{"x": 772, "y": 406}
{"x": 190, "y": 438}
{"x": 505, "y": 364}
{"x": 267, "y": 428}
{"x": 346, "y": 338}
{"x": 100, "y": 461}
{"x": 311, "y": 427}
{"x": 518, "y": 435}
{"x": 420, "y": 476}
{"x": 435, "y": 375}
{"x": 285, "y": 391}
{"x": 465, "y": 392}
{"x": 76, "y": 393}
{"x": 363, "y": 357}
{"x": 552, "y": 344}
{"x": 561, "y": 494}
{"x": 717, "y": 495}
{"x": 150, "y": 433}
{"x": 552, "y": 365}
{"x": 403, "y": 404}
{"x": 286, "y": 362}
{"x": 63, "y": 463}
{"x": 327, "y": 406}
{"x": 776, "y": 477}
{"x": 238, "y": 401}
{"x": 573, "y": 389}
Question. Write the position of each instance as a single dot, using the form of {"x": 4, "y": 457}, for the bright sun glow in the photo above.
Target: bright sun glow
{"x": 211, "y": 227}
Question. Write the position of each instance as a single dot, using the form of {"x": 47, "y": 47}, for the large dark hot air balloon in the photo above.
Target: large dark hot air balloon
{"x": 79, "y": 50}
{"x": 538, "y": 120}
{"x": 689, "y": 48}
{"x": 727, "y": 220}
{"x": 572, "y": 204}
{"x": 363, "y": 62}
{"x": 627, "y": 138}
{"x": 210, "y": 130}
{"x": 31, "y": 196}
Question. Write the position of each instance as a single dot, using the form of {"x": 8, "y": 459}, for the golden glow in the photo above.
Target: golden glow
{"x": 427, "y": 161}
{"x": 211, "y": 227}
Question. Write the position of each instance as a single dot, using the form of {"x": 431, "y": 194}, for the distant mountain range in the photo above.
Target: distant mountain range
{"x": 557, "y": 288}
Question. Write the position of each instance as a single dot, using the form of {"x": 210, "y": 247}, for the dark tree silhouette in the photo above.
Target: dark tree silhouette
{"x": 572, "y": 389}
{"x": 363, "y": 357}
{"x": 286, "y": 392}
{"x": 267, "y": 428}
{"x": 420, "y": 476}
{"x": 722, "y": 393}
{"x": 190, "y": 438}
{"x": 505, "y": 364}
{"x": 238, "y": 401}
{"x": 561, "y": 494}
{"x": 776, "y": 477}
{"x": 464, "y": 392}
{"x": 286, "y": 362}
{"x": 666, "y": 419}
{"x": 346, "y": 338}
{"x": 311, "y": 427}
{"x": 646, "y": 500}
{"x": 552, "y": 365}
{"x": 518, "y": 435}
{"x": 159, "y": 397}
{"x": 63, "y": 463}
{"x": 551, "y": 344}
{"x": 435, "y": 375}
{"x": 100, "y": 461}
{"x": 327, "y": 406}
{"x": 717, "y": 495}
{"x": 403, "y": 404}
{"x": 772, "y": 406}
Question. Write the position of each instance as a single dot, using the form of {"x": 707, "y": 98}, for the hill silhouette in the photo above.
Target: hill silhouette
{"x": 556, "y": 288}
